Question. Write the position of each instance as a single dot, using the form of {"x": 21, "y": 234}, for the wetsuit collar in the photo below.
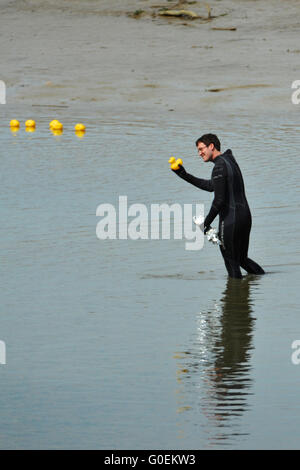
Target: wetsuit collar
{"x": 227, "y": 153}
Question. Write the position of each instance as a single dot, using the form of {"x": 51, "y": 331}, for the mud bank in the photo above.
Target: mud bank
{"x": 129, "y": 58}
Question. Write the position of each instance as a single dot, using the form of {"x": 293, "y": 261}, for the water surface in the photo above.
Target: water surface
{"x": 141, "y": 344}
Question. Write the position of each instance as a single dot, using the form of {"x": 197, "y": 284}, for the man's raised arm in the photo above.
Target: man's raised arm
{"x": 206, "y": 185}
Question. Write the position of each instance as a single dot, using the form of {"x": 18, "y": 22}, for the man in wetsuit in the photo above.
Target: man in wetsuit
{"x": 229, "y": 203}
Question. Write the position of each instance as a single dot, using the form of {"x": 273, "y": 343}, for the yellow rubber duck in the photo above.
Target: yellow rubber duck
{"x": 14, "y": 123}
{"x": 57, "y": 126}
{"x": 175, "y": 164}
{"x": 80, "y": 127}
{"x": 53, "y": 122}
{"x": 30, "y": 123}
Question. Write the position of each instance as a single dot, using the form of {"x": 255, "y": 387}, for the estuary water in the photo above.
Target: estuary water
{"x": 143, "y": 344}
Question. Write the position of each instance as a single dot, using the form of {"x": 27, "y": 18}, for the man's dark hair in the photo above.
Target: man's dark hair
{"x": 209, "y": 139}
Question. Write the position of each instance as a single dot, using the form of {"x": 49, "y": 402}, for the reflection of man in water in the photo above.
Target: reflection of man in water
{"x": 229, "y": 203}
{"x": 218, "y": 361}
{"x": 236, "y": 329}
{"x": 231, "y": 378}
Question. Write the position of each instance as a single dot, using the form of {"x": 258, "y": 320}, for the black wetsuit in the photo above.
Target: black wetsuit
{"x": 231, "y": 205}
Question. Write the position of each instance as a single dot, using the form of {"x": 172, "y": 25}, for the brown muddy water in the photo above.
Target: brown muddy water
{"x": 141, "y": 343}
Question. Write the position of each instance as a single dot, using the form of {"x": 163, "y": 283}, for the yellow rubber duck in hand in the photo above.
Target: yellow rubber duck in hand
{"x": 175, "y": 164}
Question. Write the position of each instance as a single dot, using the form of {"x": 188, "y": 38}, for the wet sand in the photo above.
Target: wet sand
{"x": 127, "y": 59}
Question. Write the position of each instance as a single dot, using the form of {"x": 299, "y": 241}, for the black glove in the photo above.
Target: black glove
{"x": 180, "y": 172}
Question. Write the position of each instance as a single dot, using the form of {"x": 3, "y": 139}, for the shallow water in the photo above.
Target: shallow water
{"x": 142, "y": 344}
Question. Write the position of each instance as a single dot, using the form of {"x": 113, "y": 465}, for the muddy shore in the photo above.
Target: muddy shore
{"x": 125, "y": 57}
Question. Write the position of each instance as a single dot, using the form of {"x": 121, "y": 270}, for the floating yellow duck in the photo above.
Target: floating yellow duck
{"x": 57, "y": 126}
{"x": 30, "y": 123}
{"x": 53, "y": 122}
{"x": 80, "y": 127}
{"x": 14, "y": 123}
{"x": 175, "y": 164}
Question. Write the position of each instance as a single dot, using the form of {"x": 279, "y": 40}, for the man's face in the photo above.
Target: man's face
{"x": 205, "y": 151}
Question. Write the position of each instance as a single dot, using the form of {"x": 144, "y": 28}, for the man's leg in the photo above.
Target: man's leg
{"x": 232, "y": 266}
{"x": 230, "y": 249}
{"x": 246, "y": 263}
{"x": 252, "y": 267}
